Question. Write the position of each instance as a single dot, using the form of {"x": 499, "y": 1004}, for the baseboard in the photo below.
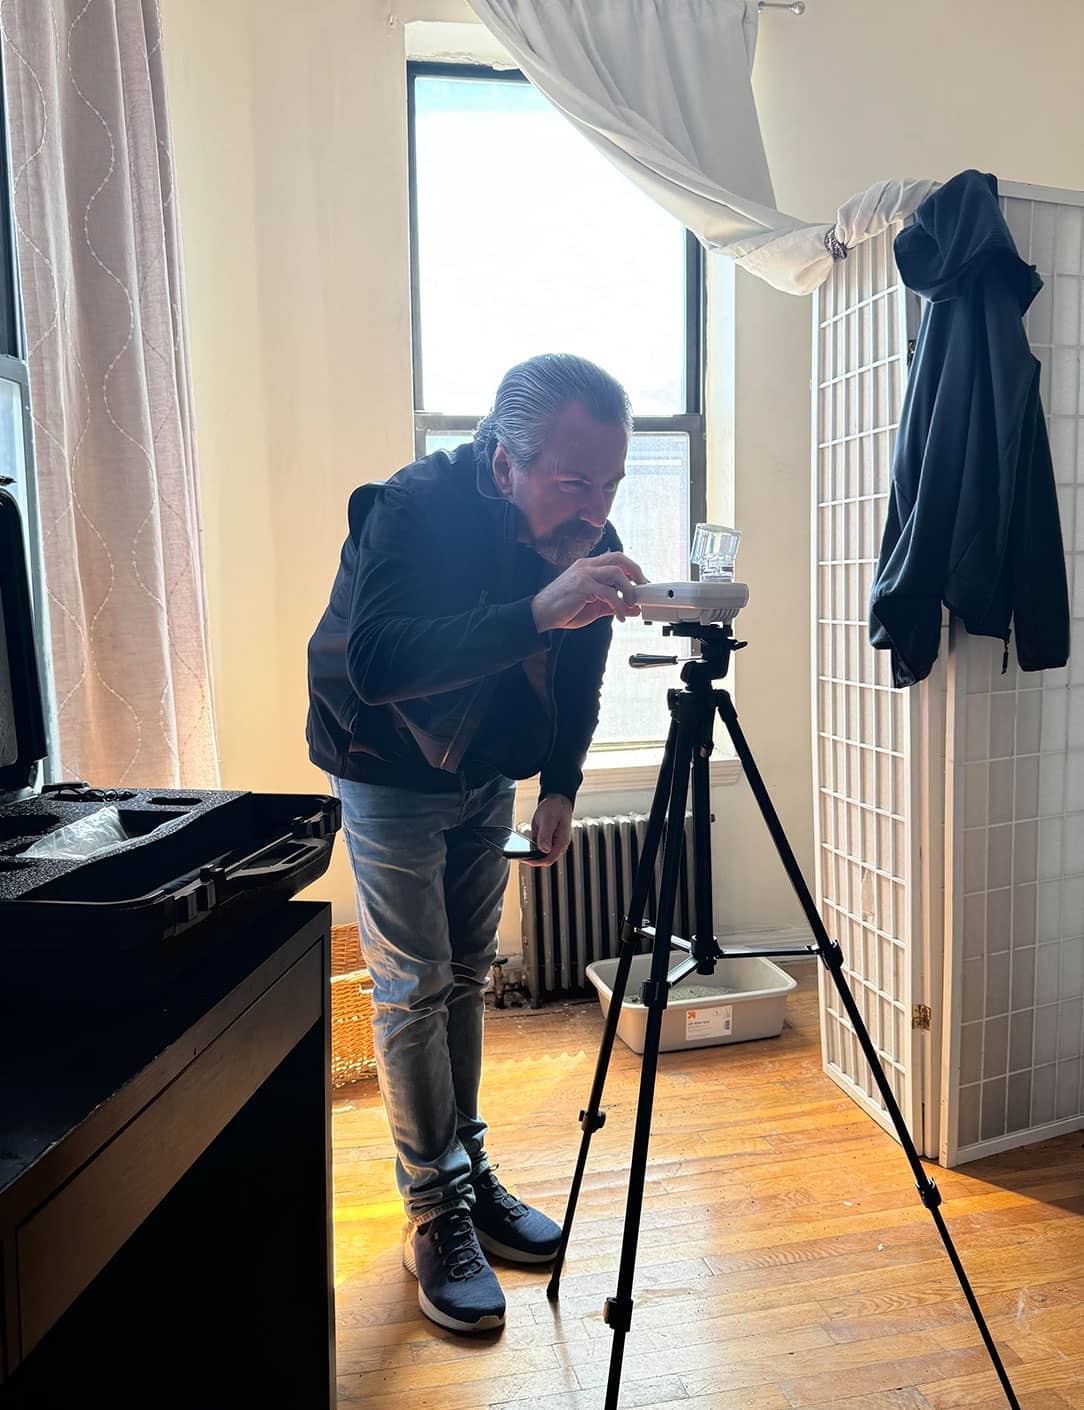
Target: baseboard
{"x": 998, "y": 1145}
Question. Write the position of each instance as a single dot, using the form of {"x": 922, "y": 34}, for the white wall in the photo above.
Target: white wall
{"x": 289, "y": 132}
{"x": 290, "y": 139}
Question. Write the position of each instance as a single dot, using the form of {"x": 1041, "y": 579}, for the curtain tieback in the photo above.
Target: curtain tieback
{"x": 834, "y": 245}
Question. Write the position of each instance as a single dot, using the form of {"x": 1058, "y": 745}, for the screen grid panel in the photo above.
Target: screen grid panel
{"x": 862, "y": 724}
{"x": 1021, "y": 1053}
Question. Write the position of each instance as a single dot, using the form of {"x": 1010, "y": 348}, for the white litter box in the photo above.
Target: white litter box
{"x": 745, "y": 998}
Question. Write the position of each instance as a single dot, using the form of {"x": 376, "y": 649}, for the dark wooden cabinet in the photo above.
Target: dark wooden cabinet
{"x": 165, "y": 1189}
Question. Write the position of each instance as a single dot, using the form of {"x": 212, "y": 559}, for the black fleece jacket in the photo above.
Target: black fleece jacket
{"x": 422, "y": 624}
{"x": 973, "y": 514}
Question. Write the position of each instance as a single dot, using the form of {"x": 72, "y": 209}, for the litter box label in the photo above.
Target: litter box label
{"x": 716, "y": 1022}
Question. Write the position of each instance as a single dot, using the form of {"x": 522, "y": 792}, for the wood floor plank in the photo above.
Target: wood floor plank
{"x": 656, "y": 1393}
{"x": 1047, "y": 1290}
{"x": 966, "y": 1392}
{"x": 696, "y": 1330}
{"x": 768, "y": 1397}
{"x": 1062, "y": 1328}
{"x": 907, "y": 1399}
{"x": 489, "y": 1390}
{"x": 786, "y": 1262}
{"x": 685, "y": 1359}
{"x": 885, "y": 1374}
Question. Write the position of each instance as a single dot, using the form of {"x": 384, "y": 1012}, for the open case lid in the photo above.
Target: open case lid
{"x": 22, "y": 719}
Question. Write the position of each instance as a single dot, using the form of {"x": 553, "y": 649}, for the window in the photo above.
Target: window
{"x": 525, "y": 240}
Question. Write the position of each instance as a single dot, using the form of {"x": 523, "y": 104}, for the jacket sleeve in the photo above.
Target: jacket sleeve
{"x": 912, "y": 569}
{"x": 399, "y": 646}
{"x": 577, "y": 691}
{"x": 1040, "y": 589}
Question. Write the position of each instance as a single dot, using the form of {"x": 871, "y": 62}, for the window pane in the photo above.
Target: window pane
{"x": 529, "y": 241}
{"x": 445, "y": 440}
{"x": 652, "y": 516}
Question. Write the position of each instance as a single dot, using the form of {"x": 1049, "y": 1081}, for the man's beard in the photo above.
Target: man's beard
{"x": 564, "y": 545}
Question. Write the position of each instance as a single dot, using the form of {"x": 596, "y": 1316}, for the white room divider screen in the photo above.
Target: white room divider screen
{"x": 950, "y": 817}
{"x": 1014, "y": 1000}
{"x": 868, "y": 817}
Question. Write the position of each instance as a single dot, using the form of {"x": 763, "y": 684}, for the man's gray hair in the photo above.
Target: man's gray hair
{"x": 533, "y": 394}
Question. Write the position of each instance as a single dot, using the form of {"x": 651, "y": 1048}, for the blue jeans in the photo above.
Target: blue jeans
{"x": 429, "y": 901}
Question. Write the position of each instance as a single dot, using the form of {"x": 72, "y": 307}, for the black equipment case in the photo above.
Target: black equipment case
{"x": 179, "y": 869}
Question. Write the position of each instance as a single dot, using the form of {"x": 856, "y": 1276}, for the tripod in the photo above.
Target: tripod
{"x": 688, "y": 749}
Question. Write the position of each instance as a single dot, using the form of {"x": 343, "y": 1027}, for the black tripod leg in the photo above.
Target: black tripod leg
{"x": 592, "y": 1118}
{"x": 832, "y": 956}
{"x": 704, "y": 948}
{"x": 654, "y": 993}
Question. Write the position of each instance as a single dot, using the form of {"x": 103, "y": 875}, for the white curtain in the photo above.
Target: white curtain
{"x": 100, "y": 269}
{"x": 662, "y": 88}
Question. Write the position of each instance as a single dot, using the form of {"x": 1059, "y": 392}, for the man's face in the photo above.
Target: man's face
{"x": 566, "y": 495}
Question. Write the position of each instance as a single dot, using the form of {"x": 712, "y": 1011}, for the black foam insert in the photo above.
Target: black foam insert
{"x": 168, "y": 835}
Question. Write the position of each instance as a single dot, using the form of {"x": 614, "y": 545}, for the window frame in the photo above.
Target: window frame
{"x": 690, "y": 421}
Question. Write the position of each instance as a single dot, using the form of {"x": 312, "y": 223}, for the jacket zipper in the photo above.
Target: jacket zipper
{"x": 551, "y": 674}
{"x": 469, "y": 707}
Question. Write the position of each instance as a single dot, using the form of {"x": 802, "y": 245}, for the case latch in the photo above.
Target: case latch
{"x": 197, "y": 898}
{"x": 325, "y": 823}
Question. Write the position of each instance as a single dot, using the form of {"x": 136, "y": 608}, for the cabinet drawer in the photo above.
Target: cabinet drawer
{"x": 65, "y": 1244}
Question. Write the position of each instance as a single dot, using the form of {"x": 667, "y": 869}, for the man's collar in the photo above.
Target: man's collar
{"x": 487, "y": 487}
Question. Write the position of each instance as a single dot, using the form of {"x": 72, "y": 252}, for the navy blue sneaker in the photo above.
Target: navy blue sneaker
{"x": 457, "y": 1288}
{"x": 509, "y": 1228}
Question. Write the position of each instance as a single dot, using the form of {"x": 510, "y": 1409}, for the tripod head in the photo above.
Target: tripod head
{"x": 717, "y": 645}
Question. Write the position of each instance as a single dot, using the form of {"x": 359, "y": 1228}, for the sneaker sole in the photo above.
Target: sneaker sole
{"x": 442, "y": 1319}
{"x": 512, "y": 1255}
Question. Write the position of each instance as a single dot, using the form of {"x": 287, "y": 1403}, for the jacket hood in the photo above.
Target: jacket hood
{"x": 959, "y": 236}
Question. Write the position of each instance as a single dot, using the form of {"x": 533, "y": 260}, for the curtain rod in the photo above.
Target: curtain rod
{"x": 797, "y": 8}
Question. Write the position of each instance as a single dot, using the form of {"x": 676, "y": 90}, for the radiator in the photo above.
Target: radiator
{"x": 572, "y": 912}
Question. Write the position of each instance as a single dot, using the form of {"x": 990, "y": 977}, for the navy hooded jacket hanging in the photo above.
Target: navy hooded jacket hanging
{"x": 973, "y": 512}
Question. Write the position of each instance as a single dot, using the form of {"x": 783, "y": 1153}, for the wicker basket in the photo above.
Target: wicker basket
{"x": 352, "y": 1056}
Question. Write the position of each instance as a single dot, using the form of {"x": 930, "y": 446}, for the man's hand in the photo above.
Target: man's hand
{"x": 590, "y": 589}
{"x": 551, "y": 828}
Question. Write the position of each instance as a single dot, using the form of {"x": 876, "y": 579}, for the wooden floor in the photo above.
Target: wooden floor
{"x": 785, "y": 1258}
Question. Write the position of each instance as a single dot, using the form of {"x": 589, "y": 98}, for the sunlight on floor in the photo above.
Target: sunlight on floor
{"x": 785, "y": 1261}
